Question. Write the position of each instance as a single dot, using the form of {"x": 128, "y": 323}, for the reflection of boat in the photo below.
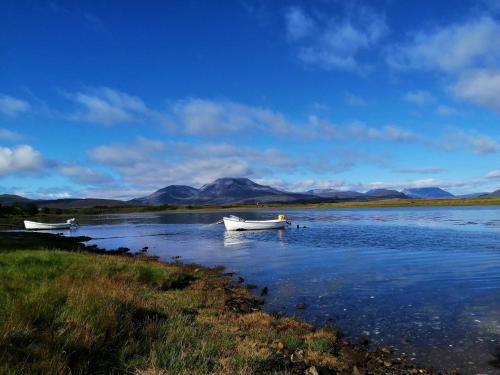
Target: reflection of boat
{"x": 33, "y": 225}
{"x": 233, "y": 238}
{"x": 237, "y": 223}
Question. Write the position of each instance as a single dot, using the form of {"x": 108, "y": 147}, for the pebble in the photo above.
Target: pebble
{"x": 311, "y": 371}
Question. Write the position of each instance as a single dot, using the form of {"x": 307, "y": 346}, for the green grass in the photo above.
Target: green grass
{"x": 77, "y": 313}
{"x": 62, "y": 311}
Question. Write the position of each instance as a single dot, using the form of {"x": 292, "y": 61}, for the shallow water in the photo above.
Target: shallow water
{"x": 424, "y": 280}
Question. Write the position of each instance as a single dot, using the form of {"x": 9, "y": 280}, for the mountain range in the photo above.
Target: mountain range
{"x": 227, "y": 191}
{"x": 223, "y": 191}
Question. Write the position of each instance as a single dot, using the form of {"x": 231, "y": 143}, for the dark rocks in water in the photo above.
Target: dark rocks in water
{"x": 240, "y": 280}
{"x": 264, "y": 291}
{"x": 496, "y": 361}
{"x": 144, "y": 249}
{"x": 278, "y": 314}
{"x": 176, "y": 257}
{"x": 405, "y": 340}
{"x": 301, "y": 306}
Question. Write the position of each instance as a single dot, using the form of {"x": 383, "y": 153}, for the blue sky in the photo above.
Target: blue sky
{"x": 118, "y": 99}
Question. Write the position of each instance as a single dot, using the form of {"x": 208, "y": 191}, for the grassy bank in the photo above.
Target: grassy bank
{"x": 79, "y": 312}
{"x": 480, "y": 201}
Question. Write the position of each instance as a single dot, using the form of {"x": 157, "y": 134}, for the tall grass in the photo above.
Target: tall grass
{"x": 81, "y": 313}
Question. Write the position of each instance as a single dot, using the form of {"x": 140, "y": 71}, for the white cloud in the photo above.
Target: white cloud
{"x": 11, "y": 106}
{"x": 420, "y": 170}
{"x": 83, "y": 174}
{"x": 467, "y": 53}
{"x": 387, "y": 133}
{"x": 494, "y": 174}
{"x": 298, "y": 24}
{"x": 355, "y": 100}
{"x": 126, "y": 154}
{"x": 419, "y": 97}
{"x": 207, "y": 117}
{"x": 480, "y": 143}
{"x": 139, "y": 167}
{"x": 22, "y": 159}
{"x": 332, "y": 42}
{"x": 445, "y": 110}
{"x": 151, "y": 164}
{"x": 483, "y": 144}
{"x": 481, "y": 87}
{"x": 452, "y": 48}
{"x": 106, "y": 106}
{"x": 427, "y": 182}
{"x": 8, "y": 135}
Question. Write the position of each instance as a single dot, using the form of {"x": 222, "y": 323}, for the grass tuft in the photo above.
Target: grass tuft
{"x": 80, "y": 313}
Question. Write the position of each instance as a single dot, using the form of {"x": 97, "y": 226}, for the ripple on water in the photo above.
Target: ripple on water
{"x": 425, "y": 280}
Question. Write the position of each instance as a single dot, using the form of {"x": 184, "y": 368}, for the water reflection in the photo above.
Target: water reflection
{"x": 425, "y": 280}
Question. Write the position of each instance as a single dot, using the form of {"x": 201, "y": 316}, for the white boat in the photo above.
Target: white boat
{"x": 33, "y": 225}
{"x": 237, "y": 223}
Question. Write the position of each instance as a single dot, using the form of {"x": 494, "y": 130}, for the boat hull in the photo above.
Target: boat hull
{"x": 232, "y": 224}
{"x": 33, "y": 225}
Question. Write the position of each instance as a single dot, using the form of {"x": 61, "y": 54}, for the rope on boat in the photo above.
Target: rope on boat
{"x": 221, "y": 221}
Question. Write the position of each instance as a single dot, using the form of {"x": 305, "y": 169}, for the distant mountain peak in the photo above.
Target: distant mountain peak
{"x": 496, "y": 193}
{"x": 384, "y": 193}
{"x": 427, "y": 192}
{"x": 226, "y": 190}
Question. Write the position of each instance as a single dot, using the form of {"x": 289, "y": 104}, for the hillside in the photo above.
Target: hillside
{"x": 336, "y": 194}
{"x": 496, "y": 193}
{"x": 384, "y": 194}
{"x": 222, "y": 191}
{"x": 427, "y": 192}
{"x": 10, "y": 199}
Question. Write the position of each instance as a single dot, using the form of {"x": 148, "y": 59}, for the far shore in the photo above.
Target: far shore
{"x": 12, "y": 221}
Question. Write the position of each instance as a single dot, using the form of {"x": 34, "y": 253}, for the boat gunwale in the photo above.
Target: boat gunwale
{"x": 254, "y": 221}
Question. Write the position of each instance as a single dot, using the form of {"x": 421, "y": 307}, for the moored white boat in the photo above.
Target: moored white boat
{"x": 237, "y": 223}
{"x": 33, "y": 225}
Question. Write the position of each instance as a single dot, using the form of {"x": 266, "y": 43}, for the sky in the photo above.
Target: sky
{"x": 116, "y": 99}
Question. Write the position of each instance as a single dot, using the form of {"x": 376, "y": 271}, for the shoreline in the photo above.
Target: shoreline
{"x": 303, "y": 349}
{"x": 16, "y": 221}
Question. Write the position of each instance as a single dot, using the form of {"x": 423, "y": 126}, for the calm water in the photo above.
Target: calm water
{"x": 425, "y": 280}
